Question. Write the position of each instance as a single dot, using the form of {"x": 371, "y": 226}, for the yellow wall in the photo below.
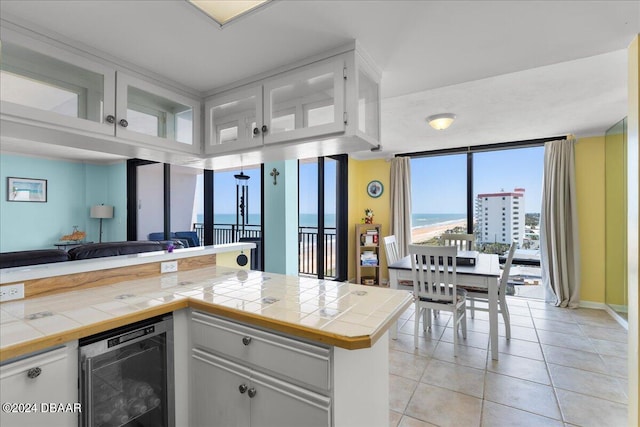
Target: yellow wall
{"x": 589, "y": 157}
{"x": 361, "y": 172}
{"x": 633, "y": 231}
{"x": 616, "y": 218}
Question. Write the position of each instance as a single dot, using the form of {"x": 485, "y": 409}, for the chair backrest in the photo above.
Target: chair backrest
{"x": 464, "y": 242}
{"x": 429, "y": 267}
{"x": 504, "y": 278}
{"x": 157, "y": 236}
{"x": 391, "y": 249}
{"x": 190, "y": 236}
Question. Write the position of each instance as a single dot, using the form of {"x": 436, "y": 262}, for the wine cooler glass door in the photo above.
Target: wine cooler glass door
{"x": 129, "y": 385}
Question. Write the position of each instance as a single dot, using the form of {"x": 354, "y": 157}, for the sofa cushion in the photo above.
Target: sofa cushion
{"x": 99, "y": 250}
{"x": 41, "y": 256}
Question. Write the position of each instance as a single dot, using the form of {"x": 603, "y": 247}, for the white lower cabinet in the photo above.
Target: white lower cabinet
{"x": 233, "y": 395}
{"x": 232, "y": 386}
{"x": 41, "y": 390}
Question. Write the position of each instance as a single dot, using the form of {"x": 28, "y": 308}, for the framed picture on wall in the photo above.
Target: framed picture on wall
{"x": 26, "y": 189}
{"x": 375, "y": 189}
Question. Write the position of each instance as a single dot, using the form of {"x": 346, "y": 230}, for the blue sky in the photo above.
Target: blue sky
{"x": 224, "y": 191}
{"x": 439, "y": 182}
{"x": 308, "y": 194}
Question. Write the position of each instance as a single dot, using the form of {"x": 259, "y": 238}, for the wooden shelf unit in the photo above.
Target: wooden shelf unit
{"x": 368, "y": 238}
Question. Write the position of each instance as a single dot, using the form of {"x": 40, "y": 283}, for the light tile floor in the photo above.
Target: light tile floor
{"x": 562, "y": 367}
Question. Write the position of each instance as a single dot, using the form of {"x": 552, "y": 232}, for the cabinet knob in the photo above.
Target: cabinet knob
{"x": 243, "y": 388}
{"x": 123, "y": 123}
{"x": 34, "y": 372}
{"x": 246, "y": 340}
{"x": 256, "y": 131}
{"x": 264, "y": 128}
{"x": 110, "y": 119}
{"x": 252, "y": 392}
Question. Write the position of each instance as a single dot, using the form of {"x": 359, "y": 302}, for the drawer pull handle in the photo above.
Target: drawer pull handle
{"x": 246, "y": 340}
{"x": 243, "y": 388}
{"x": 34, "y": 372}
{"x": 252, "y": 392}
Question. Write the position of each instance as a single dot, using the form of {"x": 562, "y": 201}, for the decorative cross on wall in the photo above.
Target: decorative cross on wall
{"x": 274, "y": 173}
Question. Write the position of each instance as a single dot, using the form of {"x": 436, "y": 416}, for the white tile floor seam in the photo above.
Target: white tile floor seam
{"x": 574, "y": 374}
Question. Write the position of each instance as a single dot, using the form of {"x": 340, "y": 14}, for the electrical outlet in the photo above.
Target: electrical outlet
{"x": 11, "y": 292}
{"x": 169, "y": 267}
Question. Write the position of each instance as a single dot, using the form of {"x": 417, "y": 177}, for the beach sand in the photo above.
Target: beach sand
{"x": 422, "y": 234}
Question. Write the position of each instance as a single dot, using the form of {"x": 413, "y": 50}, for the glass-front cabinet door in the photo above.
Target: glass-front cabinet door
{"x": 305, "y": 103}
{"x": 51, "y": 86}
{"x": 233, "y": 121}
{"x": 154, "y": 115}
{"x": 368, "y": 107}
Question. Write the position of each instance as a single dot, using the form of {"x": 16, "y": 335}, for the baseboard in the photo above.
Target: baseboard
{"x": 602, "y": 306}
{"x": 592, "y": 304}
{"x": 621, "y": 320}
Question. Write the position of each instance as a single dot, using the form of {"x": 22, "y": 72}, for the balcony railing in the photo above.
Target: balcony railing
{"x": 228, "y": 233}
{"x": 307, "y": 244}
{"x": 308, "y": 251}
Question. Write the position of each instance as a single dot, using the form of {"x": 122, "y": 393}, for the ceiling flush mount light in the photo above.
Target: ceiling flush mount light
{"x": 225, "y": 11}
{"x": 441, "y": 121}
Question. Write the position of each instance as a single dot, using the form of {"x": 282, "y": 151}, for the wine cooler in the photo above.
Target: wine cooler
{"x": 127, "y": 376}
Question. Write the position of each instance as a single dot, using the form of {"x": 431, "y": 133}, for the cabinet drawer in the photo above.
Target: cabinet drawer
{"x": 298, "y": 361}
{"x": 45, "y": 378}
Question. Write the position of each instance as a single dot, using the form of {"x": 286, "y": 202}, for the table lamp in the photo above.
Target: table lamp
{"x": 101, "y": 211}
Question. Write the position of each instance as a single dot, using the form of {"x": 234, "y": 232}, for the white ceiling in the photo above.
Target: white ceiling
{"x": 510, "y": 70}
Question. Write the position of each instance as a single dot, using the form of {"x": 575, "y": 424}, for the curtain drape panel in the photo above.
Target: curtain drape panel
{"x": 559, "y": 249}
{"x": 401, "y": 203}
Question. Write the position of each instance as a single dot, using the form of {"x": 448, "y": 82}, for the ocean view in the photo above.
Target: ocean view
{"x": 311, "y": 220}
{"x": 305, "y": 220}
{"x": 425, "y": 219}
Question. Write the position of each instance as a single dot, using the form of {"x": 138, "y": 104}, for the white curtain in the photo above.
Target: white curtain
{"x": 559, "y": 249}
{"x": 401, "y": 203}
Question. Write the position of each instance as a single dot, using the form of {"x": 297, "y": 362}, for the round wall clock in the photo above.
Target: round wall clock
{"x": 375, "y": 189}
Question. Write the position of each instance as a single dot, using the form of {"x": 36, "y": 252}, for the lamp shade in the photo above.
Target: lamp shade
{"x": 102, "y": 211}
{"x": 441, "y": 121}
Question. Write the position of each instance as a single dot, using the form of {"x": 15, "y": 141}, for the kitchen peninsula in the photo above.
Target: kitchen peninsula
{"x": 337, "y": 330}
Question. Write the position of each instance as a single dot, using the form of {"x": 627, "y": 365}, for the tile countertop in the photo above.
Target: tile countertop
{"x": 335, "y": 313}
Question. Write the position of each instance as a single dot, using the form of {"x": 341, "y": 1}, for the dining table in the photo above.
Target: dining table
{"x": 485, "y": 274}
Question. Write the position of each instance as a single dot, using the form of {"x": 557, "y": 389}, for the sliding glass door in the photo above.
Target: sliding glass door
{"x": 321, "y": 220}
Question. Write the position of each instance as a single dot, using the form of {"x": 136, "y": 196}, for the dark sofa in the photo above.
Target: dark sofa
{"x": 88, "y": 251}
{"x": 40, "y": 256}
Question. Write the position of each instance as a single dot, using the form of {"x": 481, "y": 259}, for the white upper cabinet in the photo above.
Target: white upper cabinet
{"x": 328, "y": 106}
{"x": 234, "y": 121}
{"x": 305, "y": 103}
{"x": 55, "y": 87}
{"x": 156, "y": 116}
{"x": 301, "y": 104}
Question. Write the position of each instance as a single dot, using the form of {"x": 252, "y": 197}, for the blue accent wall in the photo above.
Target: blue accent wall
{"x": 281, "y": 218}
{"x": 72, "y": 188}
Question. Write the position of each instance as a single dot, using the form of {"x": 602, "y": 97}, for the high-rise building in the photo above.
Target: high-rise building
{"x": 500, "y": 217}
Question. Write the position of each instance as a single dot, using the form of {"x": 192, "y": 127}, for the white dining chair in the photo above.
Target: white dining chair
{"x": 464, "y": 242}
{"x": 393, "y": 255}
{"x": 481, "y": 294}
{"x": 435, "y": 288}
{"x": 391, "y": 249}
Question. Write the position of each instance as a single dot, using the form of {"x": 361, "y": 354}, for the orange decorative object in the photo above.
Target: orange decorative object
{"x": 75, "y": 236}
